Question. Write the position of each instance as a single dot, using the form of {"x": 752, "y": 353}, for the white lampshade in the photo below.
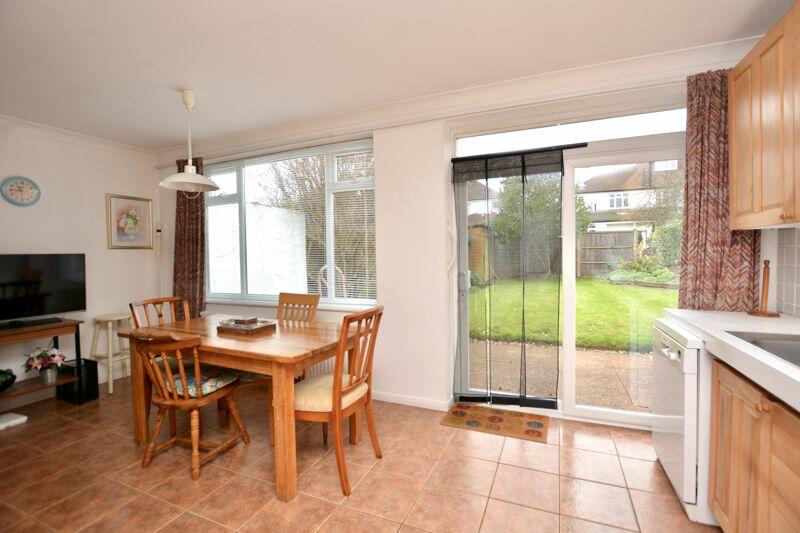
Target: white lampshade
{"x": 189, "y": 181}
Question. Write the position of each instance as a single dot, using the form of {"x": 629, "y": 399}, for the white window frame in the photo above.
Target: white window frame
{"x": 618, "y": 200}
{"x": 332, "y": 186}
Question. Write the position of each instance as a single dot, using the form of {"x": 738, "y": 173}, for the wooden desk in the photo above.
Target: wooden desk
{"x": 43, "y": 331}
{"x": 283, "y": 354}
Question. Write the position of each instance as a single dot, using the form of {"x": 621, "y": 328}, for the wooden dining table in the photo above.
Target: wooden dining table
{"x": 283, "y": 354}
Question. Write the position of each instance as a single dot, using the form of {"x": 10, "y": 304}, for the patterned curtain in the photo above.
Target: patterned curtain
{"x": 719, "y": 267}
{"x": 189, "y": 267}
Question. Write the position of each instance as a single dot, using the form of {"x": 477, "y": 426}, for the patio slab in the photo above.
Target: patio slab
{"x": 616, "y": 380}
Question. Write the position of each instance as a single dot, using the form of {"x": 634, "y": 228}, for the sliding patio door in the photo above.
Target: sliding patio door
{"x": 509, "y": 211}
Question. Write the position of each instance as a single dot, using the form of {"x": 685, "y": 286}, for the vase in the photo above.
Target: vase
{"x": 49, "y": 375}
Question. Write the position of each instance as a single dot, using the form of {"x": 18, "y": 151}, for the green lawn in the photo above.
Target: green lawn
{"x": 610, "y": 317}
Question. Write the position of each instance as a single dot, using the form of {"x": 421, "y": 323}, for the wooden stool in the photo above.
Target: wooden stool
{"x": 109, "y": 322}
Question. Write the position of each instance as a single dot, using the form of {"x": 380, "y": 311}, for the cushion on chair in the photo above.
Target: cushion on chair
{"x": 316, "y": 393}
{"x": 214, "y": 378}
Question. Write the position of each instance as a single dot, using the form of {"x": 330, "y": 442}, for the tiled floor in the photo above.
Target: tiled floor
{"x": 74, "y": 468}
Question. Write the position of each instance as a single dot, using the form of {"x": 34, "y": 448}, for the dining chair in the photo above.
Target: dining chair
{"x": 332, "y": 398}
{"x": 189, "y": 389}
{"x": 291, "y": 307}
{"x": 158, "y": 306}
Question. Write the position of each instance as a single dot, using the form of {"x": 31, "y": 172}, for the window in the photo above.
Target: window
{"x": 302, "y": 221}
{"x": 617, "y": 200}
{"x": 665, "y": 166}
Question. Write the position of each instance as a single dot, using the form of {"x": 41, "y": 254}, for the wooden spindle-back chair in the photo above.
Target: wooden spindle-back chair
{"x": 154, "y": 310}
{"x": 174, "y": 369}
{"x": 347, "y": 391}
{"x": 299, "y": 307}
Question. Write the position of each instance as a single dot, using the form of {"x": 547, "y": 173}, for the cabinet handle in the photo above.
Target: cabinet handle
{"x": 763, "y": 406}
{"x": 787, "y": 216}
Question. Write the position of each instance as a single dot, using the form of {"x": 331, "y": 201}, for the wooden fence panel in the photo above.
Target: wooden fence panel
{"x": 600, "y": 252}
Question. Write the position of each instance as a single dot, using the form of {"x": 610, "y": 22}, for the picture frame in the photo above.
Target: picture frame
{"x": 129, "y": 222}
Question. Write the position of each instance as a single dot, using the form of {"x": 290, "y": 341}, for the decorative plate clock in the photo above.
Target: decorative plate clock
{"x": 19, "y": 190}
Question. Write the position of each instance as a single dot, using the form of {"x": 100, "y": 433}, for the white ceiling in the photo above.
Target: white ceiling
{"x": 110, "y": 68}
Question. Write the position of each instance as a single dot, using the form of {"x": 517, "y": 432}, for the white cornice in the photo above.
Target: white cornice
{"x": 78, "y": 139}
{"x": 638, "y": 72}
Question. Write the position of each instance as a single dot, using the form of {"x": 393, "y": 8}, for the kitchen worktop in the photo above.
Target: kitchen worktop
{"x": 780, "y": 378}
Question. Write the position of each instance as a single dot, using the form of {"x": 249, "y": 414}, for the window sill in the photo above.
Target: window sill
{"x": 335, "y": 307}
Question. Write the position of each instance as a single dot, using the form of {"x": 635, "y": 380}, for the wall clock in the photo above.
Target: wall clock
{"x": 19, "y": 190}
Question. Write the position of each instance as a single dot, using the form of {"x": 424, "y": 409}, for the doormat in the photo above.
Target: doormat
{"x": 497, "y": 421}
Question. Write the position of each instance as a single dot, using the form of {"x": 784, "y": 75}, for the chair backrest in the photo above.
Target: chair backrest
{"x": 157, "y": 351}
{"x": 299, "y": 307}
{"x": 154, "y": 310}
{"x": 364, "y": 328}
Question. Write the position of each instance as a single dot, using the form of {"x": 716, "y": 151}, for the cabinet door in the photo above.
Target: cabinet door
{"x": 737, "y": 449}
{"x": 780, "y": 510}
{"x": 761, "y": 103}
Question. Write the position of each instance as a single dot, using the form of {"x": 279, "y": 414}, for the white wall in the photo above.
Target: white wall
{"x": 75, "y": 172}
{"x": 412, "y": 199}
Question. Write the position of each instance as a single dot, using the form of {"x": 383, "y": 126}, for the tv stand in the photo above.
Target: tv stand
{"x": 46, "y": 330}
{"x": 13, "y": 324}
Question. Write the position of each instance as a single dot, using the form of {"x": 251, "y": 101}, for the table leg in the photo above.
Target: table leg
{"x": 283, "y": 418}
{"x": 355, "y": 418}
{"x": 140, "y": 392}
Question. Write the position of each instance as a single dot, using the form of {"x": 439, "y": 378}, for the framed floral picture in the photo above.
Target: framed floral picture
{"x": 129, "y": 221}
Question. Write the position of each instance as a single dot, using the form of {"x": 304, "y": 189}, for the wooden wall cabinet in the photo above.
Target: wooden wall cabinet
{"x": 763, "y": 115}
{"x": 755, "y": 458}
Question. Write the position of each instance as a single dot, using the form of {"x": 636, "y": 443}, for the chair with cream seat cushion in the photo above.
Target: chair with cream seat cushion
{"x": 332, "y": 398}
{"x": 316, "y": 394}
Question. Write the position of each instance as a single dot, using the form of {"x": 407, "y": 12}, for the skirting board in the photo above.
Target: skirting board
{"x": 414, "y": 401}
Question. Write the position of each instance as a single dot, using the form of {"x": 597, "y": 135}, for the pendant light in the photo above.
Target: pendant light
{"x": 189, "y": 180}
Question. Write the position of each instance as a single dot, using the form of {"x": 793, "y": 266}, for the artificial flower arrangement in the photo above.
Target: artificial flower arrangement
{"x": 129, "y": 222}
{"x": 44, "y": 358}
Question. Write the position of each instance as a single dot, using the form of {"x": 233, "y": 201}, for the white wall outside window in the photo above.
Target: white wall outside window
{"x": 285, "y": 222}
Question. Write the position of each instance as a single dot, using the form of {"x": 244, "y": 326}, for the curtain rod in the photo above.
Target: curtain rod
{"x": 519, "y": 152}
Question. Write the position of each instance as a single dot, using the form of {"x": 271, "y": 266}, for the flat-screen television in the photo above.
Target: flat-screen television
{"x": 33, "y": 285}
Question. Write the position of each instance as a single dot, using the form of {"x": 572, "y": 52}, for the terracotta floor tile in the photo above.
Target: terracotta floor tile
{"x": 322, "y": 479}
{"x": 476, "y": 444}
{"x": 645, "y": 475}
{"x": 64, "y": 437}
{"x": 409, "y": 459}
{"x": 359, "y": 454}
{"x": 466, "y": 474}
{"x": 263, "y": 469}
{"x": 345, "y": 520}
{"x": 140, "y": 515}
{"x": 164, "y": 465}
{"x": 405, "y": 528}
{"x": 385, "y": 494}
{"x": 597, "y": 502}
{"x": 190, "y": 523}
{"x": 529, "y": 454}
{"x": 14, "y": 454}
{"x": 634, "y": 443}
{"x": 242, "y": 456}
{"x": 30, "y": 472}
{"x": 28, "y": 525}
{"x": 576, "y": 525}
{"x": 302, "y": 514}
{"x": 183, "y": 491}
{"x": 115, "y": 459}
{"x": 32, "y": 430}
{"x": 504, "y": 517}
{"x": 662, "y": 512}
{"x": 81, "y": 451}
{"x": 594, "y": 466}
{"x": 9, "y": 515}
{"x": 48, "y": 490}
{"x": 593, "y": 437}
{"x": 447, "y": 511}
{"x": 235, "y": 503}
{"x": 530, "y": 488}
{"x": 80, "y": 509}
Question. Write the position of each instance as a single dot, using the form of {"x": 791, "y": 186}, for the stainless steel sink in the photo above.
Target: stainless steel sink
{"x": 785, "y": 346}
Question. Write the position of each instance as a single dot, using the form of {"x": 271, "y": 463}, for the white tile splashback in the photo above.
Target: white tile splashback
{"x": 788, "y": 290}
